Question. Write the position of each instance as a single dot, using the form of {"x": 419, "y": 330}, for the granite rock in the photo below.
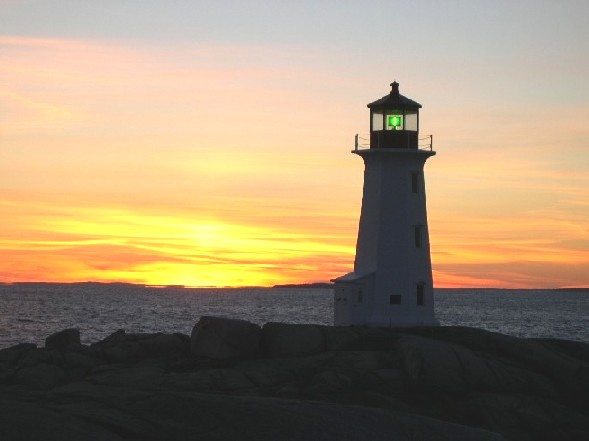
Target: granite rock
{"x": 297, "y": 382}
{"x": 63, "y": 340}
{"x": 224, "y": 338}
{"x": 292, "y": 340}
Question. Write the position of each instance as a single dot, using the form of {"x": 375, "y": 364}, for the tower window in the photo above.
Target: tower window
{"x": 417, "y": 233}
{"x": 360, "y": 297}
{"x": 395, "y": 299}
{"x": 419, "y": 292}
{"x": 415, "y": 182}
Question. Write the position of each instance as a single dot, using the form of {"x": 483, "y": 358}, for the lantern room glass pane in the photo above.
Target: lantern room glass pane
{"x": 377, "y": 121}
{"x": 411, "y": 121}
{"x": 394, "y": 120}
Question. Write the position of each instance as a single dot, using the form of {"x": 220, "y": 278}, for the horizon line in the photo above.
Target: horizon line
{"x": 283, "y": 285}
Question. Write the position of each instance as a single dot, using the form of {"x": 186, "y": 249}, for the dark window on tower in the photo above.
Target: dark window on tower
{"x": 415, "y": 182}
{"x": 395, "y": 300}
{"x": 420, "y": 289}
{"x": 417, "y": 232}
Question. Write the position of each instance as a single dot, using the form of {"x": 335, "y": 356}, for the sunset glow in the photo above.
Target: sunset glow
{"x": 224, "y": 160}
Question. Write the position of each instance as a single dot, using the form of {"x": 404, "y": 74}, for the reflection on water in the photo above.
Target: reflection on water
{"x": 29, "y": 313}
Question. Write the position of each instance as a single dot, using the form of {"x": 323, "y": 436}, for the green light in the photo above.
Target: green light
{"x": 395, "y": 120}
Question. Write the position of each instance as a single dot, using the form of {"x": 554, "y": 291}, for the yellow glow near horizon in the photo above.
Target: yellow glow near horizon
{"x": 116, "y": 245}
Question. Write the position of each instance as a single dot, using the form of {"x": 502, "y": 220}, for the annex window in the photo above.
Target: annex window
{"x": 418, "y": 235}
{"x": 395, "y": 299}
{"x": 360, "y": 297}
{"x": 420, "y": 290}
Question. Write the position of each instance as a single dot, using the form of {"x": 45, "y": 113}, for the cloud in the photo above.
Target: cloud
{"x": 512, "y": 274}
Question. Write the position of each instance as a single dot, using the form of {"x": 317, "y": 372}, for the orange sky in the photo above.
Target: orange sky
{"x": 226, "y": 162}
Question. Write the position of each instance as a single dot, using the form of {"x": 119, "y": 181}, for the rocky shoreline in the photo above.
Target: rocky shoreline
{"x": 233, "y": 380}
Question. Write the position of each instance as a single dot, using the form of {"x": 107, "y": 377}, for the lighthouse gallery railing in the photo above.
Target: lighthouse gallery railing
{"x": 425, "y": 143}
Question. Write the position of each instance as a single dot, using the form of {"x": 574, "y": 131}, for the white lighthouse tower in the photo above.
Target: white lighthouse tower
{"x": 391, "y": 284}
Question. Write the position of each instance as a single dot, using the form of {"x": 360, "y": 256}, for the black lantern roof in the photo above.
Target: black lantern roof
{"x": 394, "y": 100}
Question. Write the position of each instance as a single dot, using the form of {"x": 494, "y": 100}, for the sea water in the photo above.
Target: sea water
{"x": 31, "y": 312}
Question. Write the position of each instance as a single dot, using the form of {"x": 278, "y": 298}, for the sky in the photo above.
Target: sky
{"x": 207, "y": 143}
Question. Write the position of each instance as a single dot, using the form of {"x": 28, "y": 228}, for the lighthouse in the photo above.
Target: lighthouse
{"x": 391, "y": 285}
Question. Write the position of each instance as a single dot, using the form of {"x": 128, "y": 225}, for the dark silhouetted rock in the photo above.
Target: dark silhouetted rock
{"x": 108, "y": 414}
{"x": 25, "y": 421}
{"x": 41, "y": 376}
{"x": 292, "y": 340}
{"x": 525, "y": 417}
{"x": 13, "y": 353}
{"x": 309, "y": 383}
{"x": 123, "y": 348}
{"x": 141, "y": 376}
{"x": 446, "y": 367}
{"x": 340, "y": 338}
{"x": 566, "y": 369}
{"x": 223, "y": 338}
{"x": 64, "y": 340}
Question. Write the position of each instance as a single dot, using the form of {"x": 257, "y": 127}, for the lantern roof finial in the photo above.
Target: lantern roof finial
{"x": 394, "y": 88}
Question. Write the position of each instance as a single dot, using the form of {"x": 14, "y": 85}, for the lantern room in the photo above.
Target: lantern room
{"x": 394, "y": 121}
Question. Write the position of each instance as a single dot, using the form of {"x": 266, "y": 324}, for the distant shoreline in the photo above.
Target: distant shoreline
{"x": 314, "y": 285}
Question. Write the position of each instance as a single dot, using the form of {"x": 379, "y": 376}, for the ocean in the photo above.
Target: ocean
{"x": 31, "y": 312}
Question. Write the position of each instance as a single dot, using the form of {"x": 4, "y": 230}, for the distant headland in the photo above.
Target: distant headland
{"x": 313, "y": 285}
{"x": 316, "y": 285}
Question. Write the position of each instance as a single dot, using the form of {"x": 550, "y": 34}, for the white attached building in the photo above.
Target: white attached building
{"x": 391, "y": 284}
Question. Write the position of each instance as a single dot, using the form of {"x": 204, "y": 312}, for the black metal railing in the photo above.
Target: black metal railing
{"x": 361, "y": 143}
{"x": 425, "y": 143}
